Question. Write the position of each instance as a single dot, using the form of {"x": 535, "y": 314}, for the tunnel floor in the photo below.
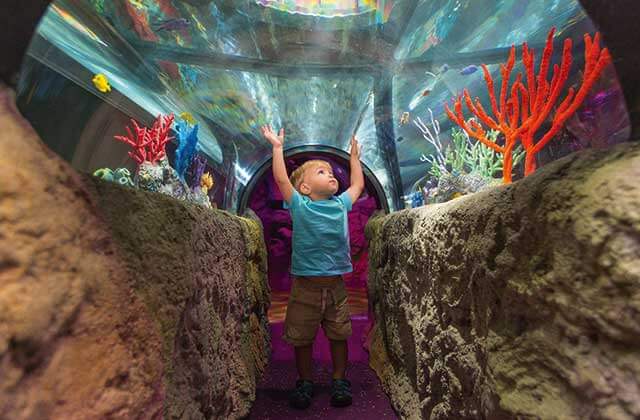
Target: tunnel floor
{"x": 369, "y": 400}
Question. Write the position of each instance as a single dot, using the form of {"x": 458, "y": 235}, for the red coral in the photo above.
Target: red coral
{"x": 148, "y": 144}
{"x": 519, "y": 116}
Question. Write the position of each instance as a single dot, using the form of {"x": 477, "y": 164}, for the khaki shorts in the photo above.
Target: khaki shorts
{"x": 317, "y": 301}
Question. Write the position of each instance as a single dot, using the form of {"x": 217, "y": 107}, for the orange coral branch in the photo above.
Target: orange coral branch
{"x": 595, "y": 62}
{"x": 522, "y": 110}
{"x": 505, "y": 114}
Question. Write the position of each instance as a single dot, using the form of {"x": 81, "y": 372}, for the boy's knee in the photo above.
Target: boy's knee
{"x": 299, "y": 335}
{"x": 337, "y": 331}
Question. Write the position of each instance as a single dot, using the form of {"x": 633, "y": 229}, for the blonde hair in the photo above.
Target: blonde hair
{"x": 297, "y": 176}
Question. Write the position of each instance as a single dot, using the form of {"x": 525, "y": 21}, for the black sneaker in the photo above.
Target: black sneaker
{"x": 340, "y": 393}
{"x": 301, "y": 396}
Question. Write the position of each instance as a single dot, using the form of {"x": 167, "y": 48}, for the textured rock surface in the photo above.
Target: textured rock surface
{"x": 522, "y": 301}
{"x": 207, "y": 290}
{"x": 121, "y": 303}
{"x": 75, "y": 340}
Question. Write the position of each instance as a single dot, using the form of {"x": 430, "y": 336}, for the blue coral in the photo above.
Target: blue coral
{"x": 188, "y": 142}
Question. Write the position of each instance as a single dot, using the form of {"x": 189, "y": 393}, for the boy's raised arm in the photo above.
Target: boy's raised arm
{"x": 357, "y": 177}
{"x": 279, "y": 167}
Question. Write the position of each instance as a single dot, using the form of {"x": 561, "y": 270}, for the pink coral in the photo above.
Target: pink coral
{"x": 148, "y": 144}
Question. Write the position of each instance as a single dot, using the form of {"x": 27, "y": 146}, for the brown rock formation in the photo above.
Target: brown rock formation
{"x": 75, "y": 340}
{"x": 206, "y": 288}
{"x": 519, "y": 302}
{"x": 121, "y": 303}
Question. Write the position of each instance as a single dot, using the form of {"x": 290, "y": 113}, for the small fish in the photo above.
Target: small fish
{"x": 404, "y": 118}
{"x": 173, "y": 24}
{"x": 399, "y": 139}
{"x": 444, "y": 68}
{"x": 188, "y": 118}
{"x": 469, "y": 70}
{"x": 426, "y": 92}
{"x": 101, "y": 83}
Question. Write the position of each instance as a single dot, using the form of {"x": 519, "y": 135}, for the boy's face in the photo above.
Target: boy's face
{"x": 319, "y": 180}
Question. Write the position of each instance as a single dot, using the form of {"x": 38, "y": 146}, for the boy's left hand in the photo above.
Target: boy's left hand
{"x": 355, "y": 148}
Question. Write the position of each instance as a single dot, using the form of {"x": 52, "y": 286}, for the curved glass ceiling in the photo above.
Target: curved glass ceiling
{"x": 329, "y": 8}
{"x": 322, "y": 69}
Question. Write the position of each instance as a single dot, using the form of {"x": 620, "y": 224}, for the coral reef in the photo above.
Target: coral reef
{"x": 154, "y": 172}
{"x": 161, "y": 177}
{"x": 457, "y": 169}
{"x": 522, "y": 110}
{"x": 521, "y": 301}
{"x": 148, "y": 144}
{"x": 120, "y": 176}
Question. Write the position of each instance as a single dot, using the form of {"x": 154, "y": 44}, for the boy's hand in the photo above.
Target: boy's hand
{"x": 357, "y": 177}
{"x": 355, "y": 148}
{"x": 269, "y": 134}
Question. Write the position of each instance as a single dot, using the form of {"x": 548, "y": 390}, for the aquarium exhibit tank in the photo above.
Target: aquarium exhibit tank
{"x": 466, "y": 111}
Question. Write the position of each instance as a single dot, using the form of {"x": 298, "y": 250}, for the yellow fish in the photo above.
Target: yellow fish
{"x": 188, "y": 118}
{"x": 206, "y": 182}
{"x": 101, "y": 83}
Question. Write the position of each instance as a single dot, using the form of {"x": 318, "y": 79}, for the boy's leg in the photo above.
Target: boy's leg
{"x": 337, "y": 328}
{"x": 304, "y": 362}
{"x": 339, "y": 356}
{"x": 300, "y": 326}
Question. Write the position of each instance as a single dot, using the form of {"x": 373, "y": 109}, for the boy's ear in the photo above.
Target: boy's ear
{"x": 304, "y": 189}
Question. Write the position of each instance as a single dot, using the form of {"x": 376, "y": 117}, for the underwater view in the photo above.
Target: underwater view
{"x": 457, "y": 135}
{"x": 325, "y": 70}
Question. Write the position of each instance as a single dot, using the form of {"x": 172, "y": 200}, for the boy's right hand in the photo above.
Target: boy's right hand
{"x": 269, "y": 134}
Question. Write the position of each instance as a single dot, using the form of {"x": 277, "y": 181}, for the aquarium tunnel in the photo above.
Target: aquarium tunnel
{"x": 448, "y": 99}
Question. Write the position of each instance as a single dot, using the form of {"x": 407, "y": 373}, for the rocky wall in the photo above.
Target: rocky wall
{"x": 522, "y": 301}
{"x": 118, "y": 303}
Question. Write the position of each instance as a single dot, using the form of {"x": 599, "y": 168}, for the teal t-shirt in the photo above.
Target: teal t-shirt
{"x": 320, "y": 235}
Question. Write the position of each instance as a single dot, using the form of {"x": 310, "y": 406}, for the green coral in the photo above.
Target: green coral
{"x": 120, "y": 176}
{"x": 104, "y": 173}
{"x": 463, "y": 156}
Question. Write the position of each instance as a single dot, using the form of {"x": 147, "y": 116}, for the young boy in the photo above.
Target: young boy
{"x": 320, "y": 256}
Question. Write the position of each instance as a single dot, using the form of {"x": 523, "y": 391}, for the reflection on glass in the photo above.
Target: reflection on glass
{"x": 313, "y": 68}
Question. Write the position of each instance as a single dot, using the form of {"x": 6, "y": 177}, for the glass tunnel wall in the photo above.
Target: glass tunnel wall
{"x": 323, "y": 70}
